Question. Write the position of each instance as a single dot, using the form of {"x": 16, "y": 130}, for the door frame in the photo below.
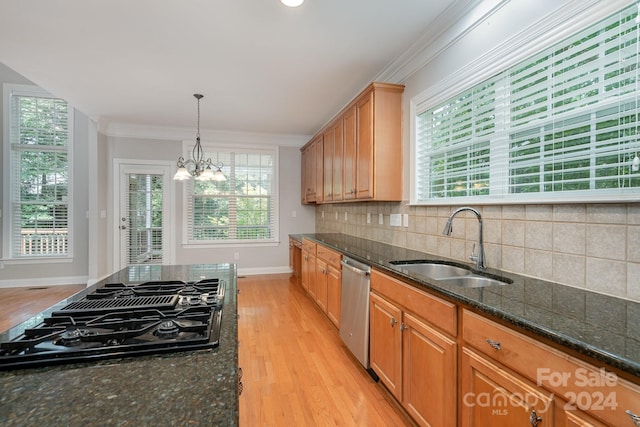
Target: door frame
{"x": 166, "y": 169}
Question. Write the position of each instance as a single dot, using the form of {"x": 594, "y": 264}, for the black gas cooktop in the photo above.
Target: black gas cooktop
{"x": 122, "y": 320}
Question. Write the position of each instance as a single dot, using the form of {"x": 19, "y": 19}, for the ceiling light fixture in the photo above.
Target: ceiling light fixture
{"x": 292, "y": 3}
{"x": 198, "y": 166}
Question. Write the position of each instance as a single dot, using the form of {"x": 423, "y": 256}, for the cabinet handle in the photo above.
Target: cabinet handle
{"x": 534, "y": 419}
{"x": 635, "y": 419}
{"x": 402, "y": 327}
{"x": 494, "y": 344}
{"x": 393, "y": 321}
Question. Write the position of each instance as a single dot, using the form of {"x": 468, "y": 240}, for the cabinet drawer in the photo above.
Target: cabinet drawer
{"x": 593, "y": 390}
{"x": 309, "y": 246}
{"x": 329, "y": 255}
{"x": 436, "y": 311}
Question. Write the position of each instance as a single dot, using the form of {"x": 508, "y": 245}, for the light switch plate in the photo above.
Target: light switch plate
{"x": 405, "y": 220}
{"x": 380, "y": 219}
{"x": 395, "y": 220}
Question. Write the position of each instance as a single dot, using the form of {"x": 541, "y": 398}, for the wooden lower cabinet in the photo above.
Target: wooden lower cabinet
{"x": 428, "y": 373}
{"x": 492, "y": 396}
{"x": 414, "y": 360}
{"x": 385, "y": 343}
{"x": 321, "y": 284}
{"x": 308, "y": 266}
{"x": 497, "y": 358}
{"x": 334, "y": 293}
{"x": 322, "y": 278}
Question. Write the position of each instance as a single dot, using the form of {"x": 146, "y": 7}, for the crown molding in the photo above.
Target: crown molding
{"x": 469, "y": 14}
{"x": 126, "y": 130}
{"x": 465, "y": 16}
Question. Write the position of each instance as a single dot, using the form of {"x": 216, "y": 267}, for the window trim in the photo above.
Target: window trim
{"x": 567, "y": 20}
{"x": 8, "y": 90}
{"x": 187, "y": 147}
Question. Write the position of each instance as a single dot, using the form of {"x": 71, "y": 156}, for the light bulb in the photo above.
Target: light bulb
{"x": 292, "y": 3}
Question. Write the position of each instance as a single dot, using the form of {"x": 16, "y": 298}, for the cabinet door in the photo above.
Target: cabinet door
{"x": 334, "y": 291}
{"x": 327, "y": 164}
{"x": 304, "y": 279}
{"x": 364, "y": 143}
{"x": 321, "y": 284}
{"x": 311, "y": 283}
{"x": 319, "y": 169}
{"x": 568, "y": 415}
{"x": 337, "y": 164}
{"x": 385, "y": 343}
{"x": 492, "y": 396}
{"x": 429, "y": 374}
{"x": 308, "y": 175}
{"x": 349, "y": 160}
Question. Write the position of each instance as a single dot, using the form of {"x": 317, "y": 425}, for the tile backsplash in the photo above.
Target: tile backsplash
{"x": 591, "y": 246}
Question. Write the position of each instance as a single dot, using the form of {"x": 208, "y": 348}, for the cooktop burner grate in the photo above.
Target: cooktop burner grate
{"x": 110, "y": 305}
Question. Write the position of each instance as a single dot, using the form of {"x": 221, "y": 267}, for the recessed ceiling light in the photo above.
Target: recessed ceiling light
{"x": 292, "y": 3}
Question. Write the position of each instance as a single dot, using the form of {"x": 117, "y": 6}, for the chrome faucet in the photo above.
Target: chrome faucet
{"x": 479, "y": 257}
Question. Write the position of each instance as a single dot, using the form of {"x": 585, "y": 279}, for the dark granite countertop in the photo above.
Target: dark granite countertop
{"x": 194, "y": 388}
{"x": 601, "y": 327}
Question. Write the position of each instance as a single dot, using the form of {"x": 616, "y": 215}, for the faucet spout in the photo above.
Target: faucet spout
{"x": 448, "y": 228}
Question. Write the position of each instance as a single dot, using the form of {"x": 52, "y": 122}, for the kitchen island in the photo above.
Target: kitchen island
{"x": 186, "y": 388}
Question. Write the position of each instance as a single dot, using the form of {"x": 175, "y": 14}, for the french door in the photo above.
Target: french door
{"x": 142, "y": 204}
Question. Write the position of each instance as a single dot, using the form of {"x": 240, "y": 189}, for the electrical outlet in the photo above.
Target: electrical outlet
{"x": 380, "y": 219}
{"x": 293, "y": 214}
{"x": 346, "y": 218}
{"x": 405, "y": 220}
{"x": 322, "y": 214}
{"x": 236, "y": 255}
{"x": 368, "y": 218}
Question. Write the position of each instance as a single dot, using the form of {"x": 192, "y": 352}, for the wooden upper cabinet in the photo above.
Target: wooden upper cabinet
{"x": 319, "y": 169}
{"x": 362, "y": 149}
{"x": 308, "y": 174}
{"x": 349, "y": 159}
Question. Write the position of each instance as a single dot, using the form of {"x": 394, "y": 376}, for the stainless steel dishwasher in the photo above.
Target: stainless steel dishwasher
{"x": 354, "y": 309}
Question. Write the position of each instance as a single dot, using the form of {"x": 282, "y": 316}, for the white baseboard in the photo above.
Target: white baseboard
{"x": 46, "y": 281}
{"x": 263, "y": 270}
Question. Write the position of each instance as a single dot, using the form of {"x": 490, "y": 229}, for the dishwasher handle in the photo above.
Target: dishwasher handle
{"x": 361, "y": 272}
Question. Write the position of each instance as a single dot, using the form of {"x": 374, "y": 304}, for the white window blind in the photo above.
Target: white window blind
{"x": 39, "y": 145}
{"x": 242, "y": 209}
{"x": 562, "y": 124}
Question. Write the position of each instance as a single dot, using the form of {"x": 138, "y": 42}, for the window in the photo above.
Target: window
{"x": 561, "y": 125}
{"x": 38, "y": 148}
{"x": 242, "y": 209}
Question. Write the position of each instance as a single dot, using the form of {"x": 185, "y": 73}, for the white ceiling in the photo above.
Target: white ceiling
{"x": 261, "y": 66}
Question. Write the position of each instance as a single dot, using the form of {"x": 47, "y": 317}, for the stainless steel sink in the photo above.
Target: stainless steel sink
{"x": 473, "y": 281}
{"x": 432, "y": 270}
{"x": 448, "y": 274}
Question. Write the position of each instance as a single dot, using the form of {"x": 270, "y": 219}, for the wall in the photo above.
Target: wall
{"x": 75, "y": 270}
{"x": 592, "y": 246}
{"x": 251, "y": 260}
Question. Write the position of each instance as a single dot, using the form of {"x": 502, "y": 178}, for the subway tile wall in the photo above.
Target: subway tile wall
{"x": 591, "y": 246}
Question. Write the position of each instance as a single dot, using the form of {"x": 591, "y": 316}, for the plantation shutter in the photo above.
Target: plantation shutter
{"x": 39, "y": 132}
{"x": 241, "y": 209}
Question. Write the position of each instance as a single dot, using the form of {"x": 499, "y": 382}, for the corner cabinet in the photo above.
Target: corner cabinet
{"x": 358, "y": 156}
{"x": 413, "y": 349}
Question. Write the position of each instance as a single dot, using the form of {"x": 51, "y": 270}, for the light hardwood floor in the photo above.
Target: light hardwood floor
{"x": 296, "y": 372}
{"x": 19, "y": 304}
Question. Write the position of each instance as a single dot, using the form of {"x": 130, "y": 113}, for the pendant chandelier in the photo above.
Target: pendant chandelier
{"x": 197, "y": 166}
